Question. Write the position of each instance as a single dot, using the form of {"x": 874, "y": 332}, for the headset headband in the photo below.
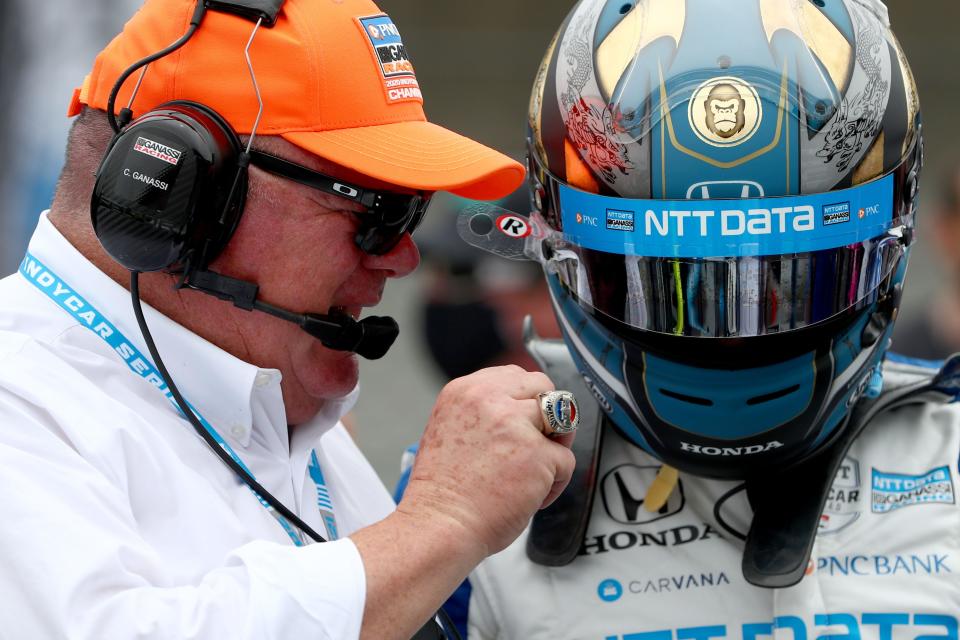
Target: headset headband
{"x": 253, "y": 10}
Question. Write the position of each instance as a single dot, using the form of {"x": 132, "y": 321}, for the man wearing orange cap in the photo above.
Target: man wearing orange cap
{"x": 260, "y": 184}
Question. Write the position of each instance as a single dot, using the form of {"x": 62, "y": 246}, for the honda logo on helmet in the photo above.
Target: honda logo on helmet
{"x": 718, "y": 189}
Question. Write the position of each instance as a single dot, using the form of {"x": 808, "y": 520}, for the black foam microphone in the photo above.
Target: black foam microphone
{"x": 369, "y": 338}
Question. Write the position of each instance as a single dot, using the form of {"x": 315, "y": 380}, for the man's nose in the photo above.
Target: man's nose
{"x": 399, "y": 261}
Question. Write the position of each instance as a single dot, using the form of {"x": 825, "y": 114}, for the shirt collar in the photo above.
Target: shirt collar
{"x": 218, "y": 384}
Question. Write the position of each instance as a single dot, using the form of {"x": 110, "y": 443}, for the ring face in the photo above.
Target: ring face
{"x": 559, "y": 411}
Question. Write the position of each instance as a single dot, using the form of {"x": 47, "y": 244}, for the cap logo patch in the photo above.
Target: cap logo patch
{"x": 399, "y": 80}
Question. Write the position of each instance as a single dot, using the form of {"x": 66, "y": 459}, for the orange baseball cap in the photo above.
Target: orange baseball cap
{"x": 335, "y": 79}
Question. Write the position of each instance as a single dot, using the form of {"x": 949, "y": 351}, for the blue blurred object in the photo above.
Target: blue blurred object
{"x": 457, "y": 605}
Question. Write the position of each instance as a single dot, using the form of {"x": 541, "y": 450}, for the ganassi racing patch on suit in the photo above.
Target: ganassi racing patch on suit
{"x": 894, "y": 490}
{"x": 399, "y": 80}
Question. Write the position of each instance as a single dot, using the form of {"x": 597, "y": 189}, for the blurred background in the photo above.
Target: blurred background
{"x": 475, "y": 62}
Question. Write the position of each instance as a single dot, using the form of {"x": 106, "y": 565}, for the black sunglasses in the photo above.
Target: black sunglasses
{"x": 388, "y": 214}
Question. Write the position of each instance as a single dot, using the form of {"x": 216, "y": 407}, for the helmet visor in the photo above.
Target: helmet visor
{"x": 711, "y": 267}
{"x": 728, "y": 297}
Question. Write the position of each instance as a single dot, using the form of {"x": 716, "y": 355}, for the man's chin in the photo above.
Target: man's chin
{"x": 330, "y": 374}
{"x": 321, "y": 376}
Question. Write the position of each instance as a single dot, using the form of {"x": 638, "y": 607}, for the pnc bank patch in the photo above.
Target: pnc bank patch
{"x": 892, "y": 491}
{"x": 399, "y": 80}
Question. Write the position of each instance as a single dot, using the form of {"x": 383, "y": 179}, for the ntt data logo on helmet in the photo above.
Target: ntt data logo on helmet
{"x": 399, "y": 80}
{"x": 703, "y": 228}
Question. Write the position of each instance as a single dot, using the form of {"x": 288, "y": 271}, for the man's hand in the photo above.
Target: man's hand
{"x": 483, "y": 469}
{"x": 484, "y": 462}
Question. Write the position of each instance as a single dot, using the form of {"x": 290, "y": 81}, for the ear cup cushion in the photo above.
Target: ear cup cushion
{"x": 162, "y": 198}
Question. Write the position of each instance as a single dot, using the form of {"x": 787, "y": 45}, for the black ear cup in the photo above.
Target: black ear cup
{"x": 170, "y": 191}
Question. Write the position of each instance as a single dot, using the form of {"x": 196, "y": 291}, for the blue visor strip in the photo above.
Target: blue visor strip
{"x": 727, "y": 228}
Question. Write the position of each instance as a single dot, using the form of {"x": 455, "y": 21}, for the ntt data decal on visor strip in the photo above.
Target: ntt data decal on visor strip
{"x": 734, "y": 228}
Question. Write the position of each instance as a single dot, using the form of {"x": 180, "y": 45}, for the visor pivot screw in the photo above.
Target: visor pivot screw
{"x": 538, "y": 199}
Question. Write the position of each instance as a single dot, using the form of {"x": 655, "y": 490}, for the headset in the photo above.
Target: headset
{"x": 189, "y": 177}
{"x": 168, "y": 196}
{"x": 171, "y": 189}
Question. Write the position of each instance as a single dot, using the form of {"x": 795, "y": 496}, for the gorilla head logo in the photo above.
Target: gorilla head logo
{"x": 725, "y": 111}
{"x": 725, "y": 108}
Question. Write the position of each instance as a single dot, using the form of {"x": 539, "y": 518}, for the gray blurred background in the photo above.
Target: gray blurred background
{"x": 475, "y": 62}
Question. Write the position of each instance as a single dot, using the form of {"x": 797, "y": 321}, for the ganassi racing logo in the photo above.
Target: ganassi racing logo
{"x": 154, "y": 149}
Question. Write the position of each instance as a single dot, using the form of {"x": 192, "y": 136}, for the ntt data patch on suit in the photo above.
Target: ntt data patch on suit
{"x": 895, "y": 490}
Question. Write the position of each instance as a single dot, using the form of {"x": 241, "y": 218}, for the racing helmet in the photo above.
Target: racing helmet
{"x": 724, "y": 199}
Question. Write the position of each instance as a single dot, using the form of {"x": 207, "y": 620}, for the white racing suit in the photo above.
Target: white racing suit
{"x": 885, "y": 563}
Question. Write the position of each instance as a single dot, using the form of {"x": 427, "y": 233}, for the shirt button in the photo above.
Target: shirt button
{"x": 262, "y": 380}
{"x": 238, "y": 431}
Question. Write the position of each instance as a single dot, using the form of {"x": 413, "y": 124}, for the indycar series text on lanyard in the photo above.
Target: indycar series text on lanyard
{"x": 67, "y": 298}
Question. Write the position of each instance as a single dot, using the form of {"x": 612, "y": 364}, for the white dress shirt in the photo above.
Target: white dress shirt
{"x": 119, "y": 522}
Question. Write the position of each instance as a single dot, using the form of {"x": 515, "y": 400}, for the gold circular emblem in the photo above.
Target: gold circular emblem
{"x": 725, "y": 111}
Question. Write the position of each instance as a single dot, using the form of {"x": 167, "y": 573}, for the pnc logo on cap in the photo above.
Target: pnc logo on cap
{"x": 399, "y": 80}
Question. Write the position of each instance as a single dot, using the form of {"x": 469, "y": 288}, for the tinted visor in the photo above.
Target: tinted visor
{"x": 746, "y": 296}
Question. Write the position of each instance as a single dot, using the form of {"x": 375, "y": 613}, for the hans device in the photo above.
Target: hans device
{"x": 168, "y": 196}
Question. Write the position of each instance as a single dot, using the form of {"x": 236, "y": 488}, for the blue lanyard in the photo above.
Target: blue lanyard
{"x": 39, "y": 275}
